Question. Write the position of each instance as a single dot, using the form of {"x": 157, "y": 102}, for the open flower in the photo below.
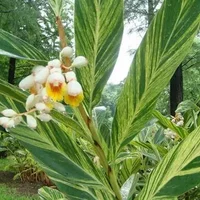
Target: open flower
{"x": 56, "y": 86}
{"x": 74, "y": 95}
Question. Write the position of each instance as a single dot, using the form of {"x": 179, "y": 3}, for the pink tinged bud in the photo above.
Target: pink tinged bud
{"x": 9, "y": 124}
{"x": 45, "y": 117}
{"x": 70, "y": 76}
{"x": 44, "y": 94}
{"x": 59, "y": 107}
{"x": 53, "y": 70}
{"x": 67, "y": 52}
{"x": 79, "y": 62}
{"x": 37, "y": 69}
{"x": 8, "y": 113}
{"x": 54, "y": 63}
{"x": 4, "y": 121}
{"x": 31, "y": 121}
{"x": 42, "y": 107}
{"x": 41, "y": 76}
{"x": 74, "y": 88}
{"x": 27, "y": 82}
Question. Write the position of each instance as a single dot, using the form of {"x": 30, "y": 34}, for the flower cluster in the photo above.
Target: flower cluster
{"x": 178, "y": 120}
{"x": 49, "y": 86}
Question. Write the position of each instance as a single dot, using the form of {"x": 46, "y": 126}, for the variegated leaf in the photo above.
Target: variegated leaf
{"x": 14, "y": 47}
{"x": 98, "y": 33}
{"x": 164, "y": 46}
{"x": 177, "y": 172}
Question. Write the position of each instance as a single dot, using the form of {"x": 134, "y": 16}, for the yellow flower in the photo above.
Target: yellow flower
{"x": 73, "y": 100}
{"x": 74, "y": 95}
{"x": 56, "y": 86}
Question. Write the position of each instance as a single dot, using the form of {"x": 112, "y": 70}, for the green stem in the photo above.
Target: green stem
{"x": 101, "y": 154}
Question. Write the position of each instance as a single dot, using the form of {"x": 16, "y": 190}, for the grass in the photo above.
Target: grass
{"x": 7, "y": 193}
{"x": 4, "y": 163}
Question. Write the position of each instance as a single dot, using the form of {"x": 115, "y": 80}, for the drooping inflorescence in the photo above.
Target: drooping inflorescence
{"x": 49, "y": 87}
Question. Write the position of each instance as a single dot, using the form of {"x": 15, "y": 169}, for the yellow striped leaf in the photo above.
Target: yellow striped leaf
{"x": 14, "y": 47}
{"x": 164, "y": 46}
{"x": 177, "y": 172}
{"x": 98, "y": 33}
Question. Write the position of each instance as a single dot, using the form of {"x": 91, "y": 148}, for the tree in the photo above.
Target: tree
{"x": 34, "y": 22}
{"x": 140, "y": 13}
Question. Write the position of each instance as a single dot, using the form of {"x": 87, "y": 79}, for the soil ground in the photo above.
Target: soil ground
{"x": 23, "y": 188}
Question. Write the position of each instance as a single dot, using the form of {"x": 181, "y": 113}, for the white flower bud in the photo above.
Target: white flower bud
{"x": 180, "y": 123}
{"x": 54, "y": 63}
{"x": 74, "y": 88}
{"x": 4, "y": 121}
{"x": 44, "y": 94}
{"x": 44, "y": 117}
{"x": 70, "y": 76}
{"x": 30, "y": 102}
{"x": 31, "y": 121}
{"x": 42, "y": 107}
{"x": 41, "y": 76}
{"x": 37, "y": 69}
{"x": 67, "y": 52}
{"x": 170, "y": 134}
{"x": 9, "y": 124}
{"x": 79, "y": 62}
{"x": 27, "y": 82}
{"x": 53, "y": 70}
{"x": 59, "y": 107}
{"x": 8, "y": 113}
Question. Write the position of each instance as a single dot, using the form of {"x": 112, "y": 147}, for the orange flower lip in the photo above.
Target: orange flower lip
{"x": 56, "y": 87}
{"x": 56, "y": 90}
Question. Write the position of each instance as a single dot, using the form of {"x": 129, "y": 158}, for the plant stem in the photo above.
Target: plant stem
{"x": 101, "y": 154}
{"x": 96, "y": 140}
{"x": 24, "y": 113}
{"x": 63, "y": 41}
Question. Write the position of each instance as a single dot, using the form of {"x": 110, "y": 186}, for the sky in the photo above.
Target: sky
{"x": 129, "y": 41}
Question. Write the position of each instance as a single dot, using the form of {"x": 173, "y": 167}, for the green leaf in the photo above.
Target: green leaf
{"x": 11, "y": 91}
{"x": 177, "y": 172}
{"x": 186, "y": 106}
{"x": 57, "y": 6}
{"x": 14, "y": 47}
{"x": 42, "y": 150}
{"x": 164, "y": 46}
{"x": 47, "y": 193}
{"x": 98, "y": 34}
{"x": 129, "y": 187}
{"x": 166, "y": 123}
